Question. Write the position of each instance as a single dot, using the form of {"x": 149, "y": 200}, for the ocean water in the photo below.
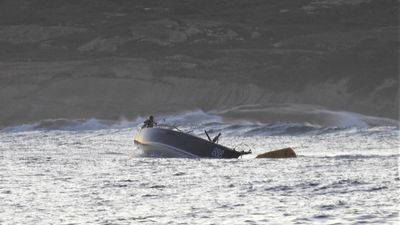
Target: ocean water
{"x": 90, "y": 172}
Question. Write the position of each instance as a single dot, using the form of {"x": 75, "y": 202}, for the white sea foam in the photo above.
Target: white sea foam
{"x": 275, "y": 119}
{"x": 87, "y": 175}
{"x": 300, "y": 113}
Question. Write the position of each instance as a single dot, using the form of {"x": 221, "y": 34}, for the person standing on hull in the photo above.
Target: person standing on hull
{"x": 149, "y": 122}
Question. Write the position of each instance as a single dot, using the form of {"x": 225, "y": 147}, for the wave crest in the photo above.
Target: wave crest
{"x": 247, "y": 120}
{"x": 300, "y": 113}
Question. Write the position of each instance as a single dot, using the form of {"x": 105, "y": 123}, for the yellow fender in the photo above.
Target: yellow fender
{"x": 281, "y": 153}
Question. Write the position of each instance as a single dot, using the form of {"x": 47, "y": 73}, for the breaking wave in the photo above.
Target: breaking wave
{"x": 72, "y": 125}
{"x": 301, "y": 113}
{"x": 246, "y": 120}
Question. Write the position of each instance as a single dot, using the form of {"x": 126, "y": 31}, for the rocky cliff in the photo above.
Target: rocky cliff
{"x": 123, "y": 58}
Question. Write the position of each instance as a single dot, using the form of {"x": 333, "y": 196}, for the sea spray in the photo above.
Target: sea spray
{"x": 247, "y": 120}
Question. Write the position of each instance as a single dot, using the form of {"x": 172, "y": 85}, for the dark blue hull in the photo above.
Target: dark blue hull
{"x": 169, "y": 143}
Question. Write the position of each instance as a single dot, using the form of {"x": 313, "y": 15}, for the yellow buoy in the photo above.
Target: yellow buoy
{"x": 281, "y": 153}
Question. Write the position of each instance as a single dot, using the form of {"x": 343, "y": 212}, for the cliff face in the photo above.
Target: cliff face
{"x": 111, "y": 59}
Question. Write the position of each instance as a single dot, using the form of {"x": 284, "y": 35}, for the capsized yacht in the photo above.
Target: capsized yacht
{"x": 172, "y": 142}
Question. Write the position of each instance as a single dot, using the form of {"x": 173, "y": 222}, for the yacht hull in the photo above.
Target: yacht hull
{"x": 169, "y": 143}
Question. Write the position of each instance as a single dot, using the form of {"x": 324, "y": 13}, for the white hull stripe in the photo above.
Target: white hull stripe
{"x": 180, "y": 151}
